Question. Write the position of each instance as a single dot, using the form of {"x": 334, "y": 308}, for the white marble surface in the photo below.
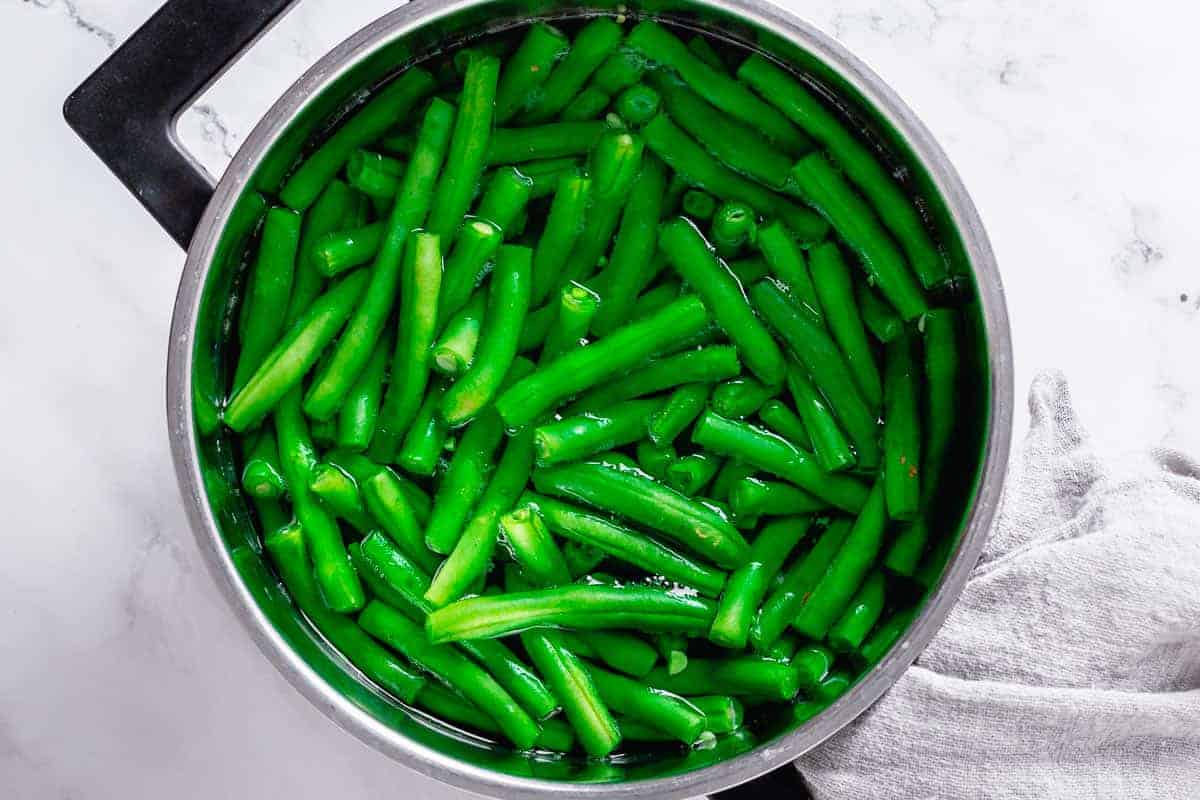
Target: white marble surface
{"x": 123, "y": 674}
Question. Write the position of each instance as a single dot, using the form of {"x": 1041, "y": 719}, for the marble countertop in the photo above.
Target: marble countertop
{"x": 124, "y": 673}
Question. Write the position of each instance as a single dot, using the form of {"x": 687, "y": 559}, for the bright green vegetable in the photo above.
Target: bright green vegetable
{"x": 742, "y": 675}
{"x": 829, "y": 444}
{"x": 848, "y": 633}
{"x": 835, "y": 291}
{"x": 325, "y": 216}
{"x": 571, "y": 682}
{"x": 426, "y": 438}
{"x": 680, "y": 411}
{"x": 392, "y": 507}
{"x": 339, "y": 492}
{"x": 638, "y": 104}
{"x": 357, "y": 417}
{"x": 782, "y": 420}
{"x": 787, "y": 263}
{"x": 738, "y": 398}
{"x": 554, "y": 140}
{"x": 574, "y": 438}
{"x": 374, "y": 174}
{"x": 592, "y": 45}
{"x": 733, "y": 227}
{"x": 564, "y": 225}
{"x": 455, "y": 349}
{"x": 901, "y": 432}
{"x": 341, "y": 249}
{"x": 577, "y": 308}
{"x": 705, "y": 365}
{"x": 666, "y": 712}
{"x": 886, "y": 634}
{"x": 587, "y": 105}
{"x": 698, "y": 205}
{"x": 478, "y": 242}
{"x": 615, "y": 163}
{"x": 262, "y": 477}
{"x": 527, "y": 69}
{"x": 691, "y": 473}
{"x": 505, "y": 198}
{"x": 270, "y": 286}
{"x": 751, "y": 497}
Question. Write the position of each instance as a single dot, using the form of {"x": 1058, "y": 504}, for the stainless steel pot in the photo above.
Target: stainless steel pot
{"x": 126, "y": 112}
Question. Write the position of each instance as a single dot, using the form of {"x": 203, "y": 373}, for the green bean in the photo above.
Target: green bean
{"x": 830, "y": 446}
{"x": 737, "y": 146}
{"x": 619, "y": 71}
{"x": 270, "y": 286}
{"x": 879, "y": 317}
{"x": 741, "y": 675}
{"x": 564, "y": 225}
{"x": 398, "y": 144}
{"x": 732, "y": 471}
{"x": 859, "y": 164}
{"x": 572, "y": 684}
{"x": 326, "y": 215}
{"x": 659, "y": 45}
{"x": 847, "y": 570}
{"x": 287, "y": 548}
{"x": 786, "y": 261}
{"x": 835, "y": 291}
{"x": 463, "y": 482}
{"x": 680, "y": 411}
{"x": 505, "y": 198}
{"x": 886, "y": 634}
{"x": 698, "y": 205}
{"x": 701, "y": 170}
{"x": 634, "y": 248}
{"x": 654, "y": 459}
{"x": 472, "y": 554}
{"x": 851, "y": 629}
{"x": 323, "y": 432}
{"x": 574, "y": 438}
{"x": 833, "y": 687}
{"x": 638, "y": 104}
{"x": 546, "y": 174}
{"x": 657, "y": 298}
{"x": 586, "y": 607}
{"x": 339, "y": 583}
{"x": 784, "y": 649}
{"x": 705, "y": 365}
{"x": 552, "y": 140}
{"x": 785, "y": 601}
{"x": 623, "y": 652}
{"x": 615, "y": 163}
{"x": 527, "y": 69}
{"x": 392, "y": 103}
{"x": 405, "y": 260}
{"x": 673, "y": 648}
{"x": 455, "y": 350}
{"x": 362, "y": 469}
{"x": 751, "y": 497}
{"x": 556, "y": 736}
{"x": 824, "y": 189}
{"x": 738, "y": 398}
{"x": 420, "y": 285}
{"x": 478, "y": 242}
{"x": 733, "y": 227}
{"x": 581, "y": 369}
{"x": 661, "y": 710}
{"x": 452, "y": 668}
{"x": 647, "y": 502}
{"x": 426, "y": 438}
{"x": 587, "y": 105}
{"x": 747, "y": 586}
{"x": 537, "y": 327}
{"x": 339, "y": 250}
{"x": 901, "y": 432}
{"x": 784, "y": 422}
{"x": 468, "y": 149}
{"x": 904, "y": 555}
{"x": 392, "y": 507}
{"x": 773, "y": 454}
{"x": 581, "y": 558}
{"x": 577, "y": 308}
{"x": 262, "y": 476}
{"x": 690, "y": 255}
{"x": 703, "y": 50}
{"x": 359, "y": 413}
{"x": 375, "y": 175}
{"x": 529, "y": 543}
{"x": 339, "y": 492}
{"x": 824, "y": 363}
{"x": 592, "y": 45}
{"x": 689, "y": 474}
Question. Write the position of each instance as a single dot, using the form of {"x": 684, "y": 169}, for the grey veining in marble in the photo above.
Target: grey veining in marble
{"x": 124, "y": 675}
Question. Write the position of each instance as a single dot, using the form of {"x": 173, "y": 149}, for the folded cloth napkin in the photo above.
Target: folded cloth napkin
{"x": 1070, "y": 668}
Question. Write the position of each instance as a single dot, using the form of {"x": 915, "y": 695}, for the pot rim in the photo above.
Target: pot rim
{"x": 720, "y": 775}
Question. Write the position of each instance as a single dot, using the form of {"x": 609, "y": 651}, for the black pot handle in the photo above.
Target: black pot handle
{"x": 785, "y": 783}
{"x": 125, "y": 110}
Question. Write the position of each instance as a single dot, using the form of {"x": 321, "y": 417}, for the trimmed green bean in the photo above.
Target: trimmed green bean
{"x": 654, "y": 459}
{"x": 468, "y": 149}
{"x": 782, "y": 420}
{"x": 527, "y": 69}
{"x": 661, "y": 46}
{"x": 505, "y": 198}
{"x": 339, "y": 583}
{"x": 508, "y": 303}
{"x": 529, "y": 543}
{"x": 658, "y": 297}
{"x": 572, "y": 684}
{"x": 822, "y": 187}
{"x": 698, "y": 205}
{"x": 835, "y": 291}
{"x": 785, "y": 601}
{"x": 270, "y": 286}
{"x": 478, "y": 243}
{"x": 592, "y": 45}
{"x": 574, "y": 438}
{"x": 582, "y": 606}
{"x": 851, "y": 629}
{"x": 392, "y": 507}
{"x": 901, "y": 431}
{"x": 581, "y": 369}
{"x": 741, "y": 675}
{"x": 564, "y": 226}
{"x": 362, "y": 469}
{"x": 732, "y": 471}
{"x": 895, "y": 209}
{"x": 339, "y": 250}
{"x": 359, "y": 413}
{"x": 824, "y": 363}
{"x": 880, "y": 318}
{"x": 886, "y": 634}
{"x": 787, "y": 263}
{"x": 546, "y": 174}
{"x": 374, "y": 174}
{"x": 552, "y": 140}
{"x": 705, "y": 365}
{"x": 339, "y": 492}
{"x": 830, "y": 446}
{"x": 619, "y": 71}
{"x": 673, "y": 648}
{"x": 738, "y": 398}
{"x": 587, "y": 105}
{"x": 747, "y": 586}
{"x": 422, "y": 447}
{"x": 623, "y": 652}
{"x": 577, "y": 308}
{"x": 326, "y": 215}
{"x": 262, "y": 476}
{"x": 616, "y": 161}
{"x": 689, "y": 474}
{"x": 680, "y": 411}
{"x": 668, "y": 713}
{"x": 733, "y": 227}
{"x": 751, "y": 497}
{"x": 846, "y": 572}
{"x": 638, "y": 104}
{"x": 703, "y": 50}
{"x": 455, "y": 350}
{"x": 776, "y": 455}
{"x": 634, "y": 247}
{"x": 556, "y": 736}
{"x": 391, "y": 104}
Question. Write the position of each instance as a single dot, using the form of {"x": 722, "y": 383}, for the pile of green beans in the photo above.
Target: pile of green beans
{"x": 595, "y": 397}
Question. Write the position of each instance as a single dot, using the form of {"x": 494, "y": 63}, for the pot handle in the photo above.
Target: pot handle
{"x": 125, "y": 111}
{"x": 784, "y": 782}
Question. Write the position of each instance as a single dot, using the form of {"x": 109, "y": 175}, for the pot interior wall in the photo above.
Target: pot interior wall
{"x": 220, "y": 304}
